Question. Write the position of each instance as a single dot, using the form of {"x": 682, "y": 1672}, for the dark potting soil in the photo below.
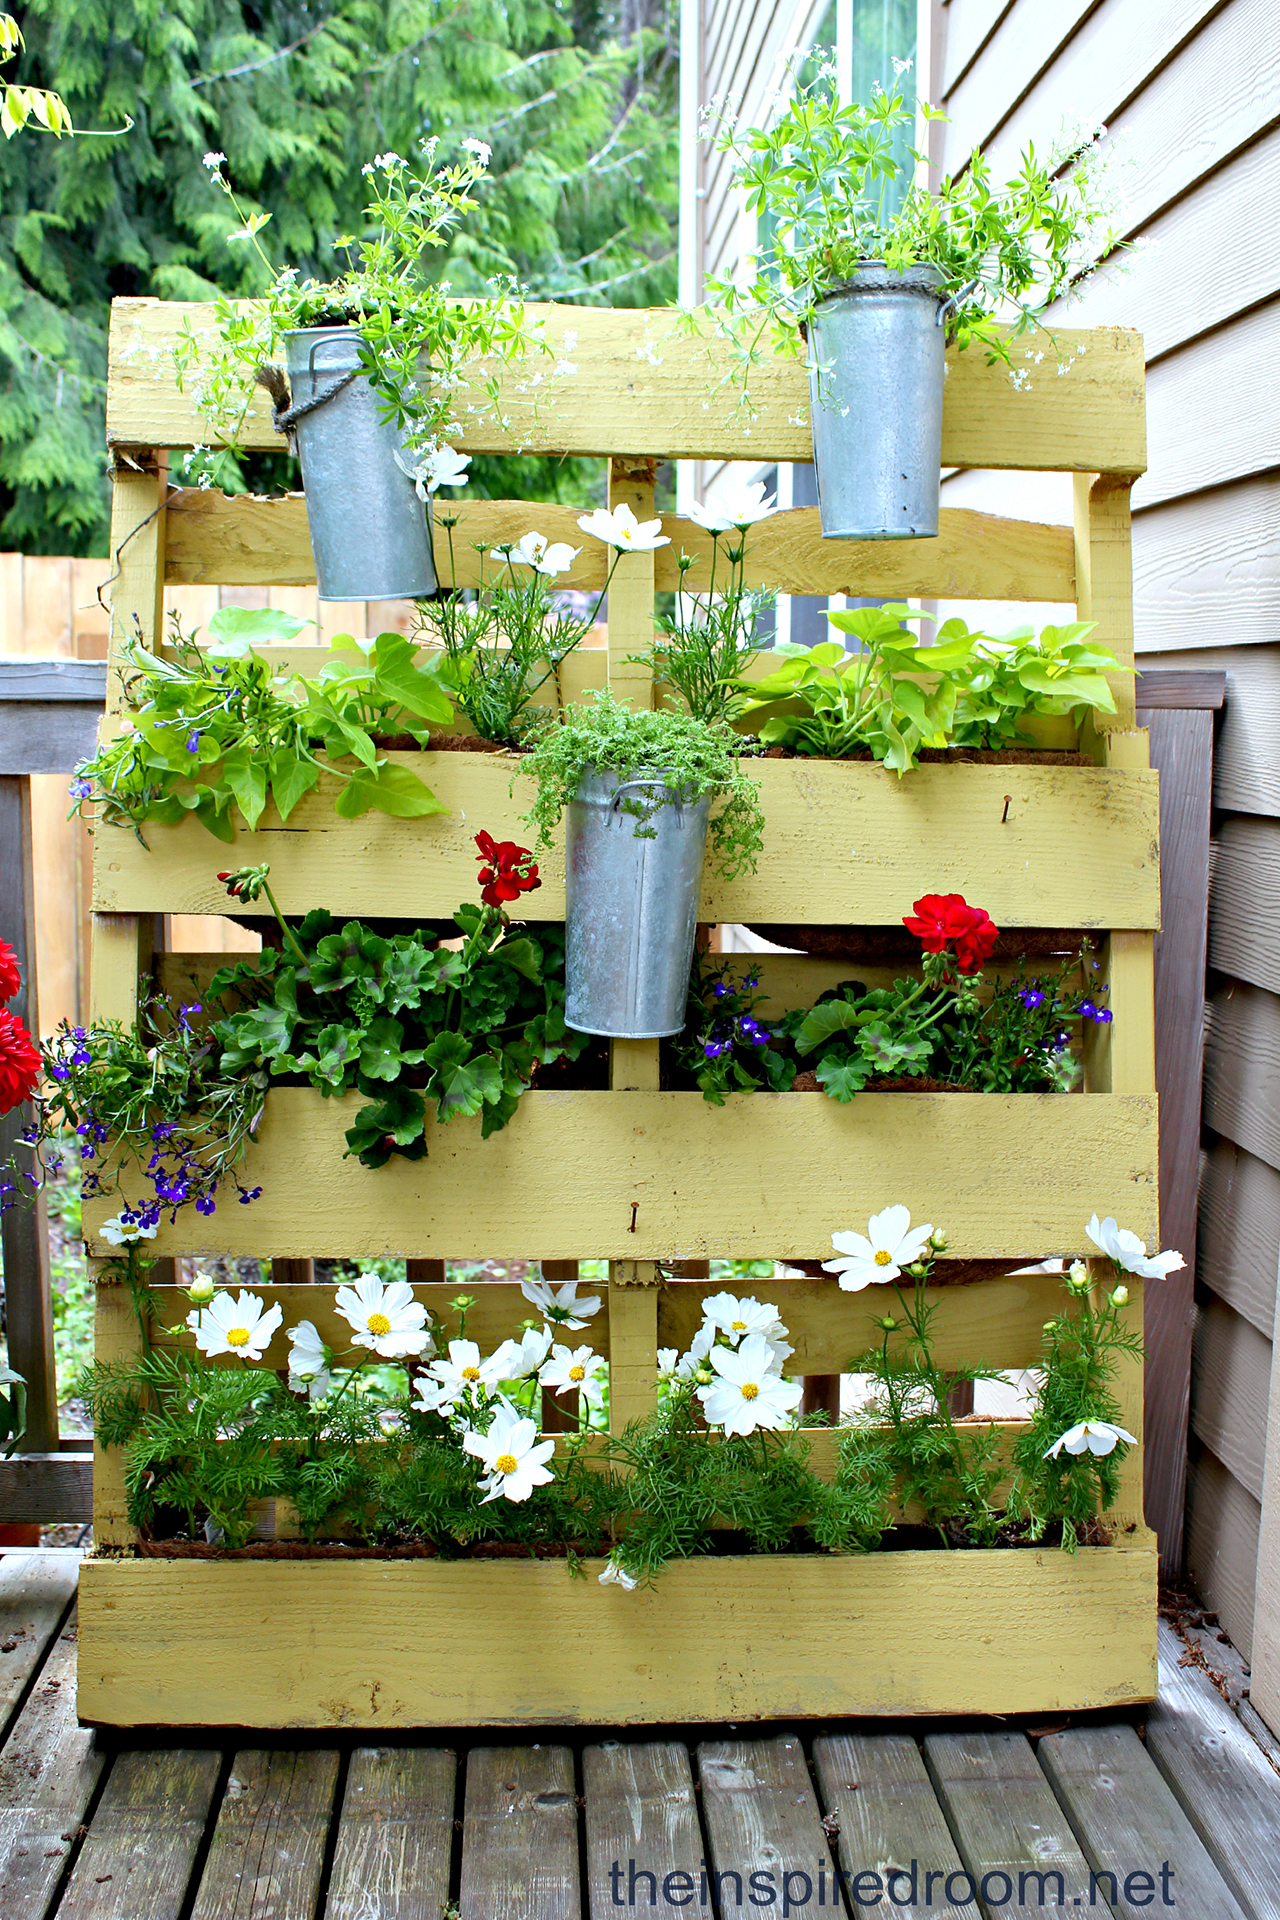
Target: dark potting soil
{"x": 723, "y": 1544}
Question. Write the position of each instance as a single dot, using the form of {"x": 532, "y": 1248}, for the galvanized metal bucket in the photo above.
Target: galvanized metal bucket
{"x": 877, "y": 364}
{"x": 631, "y": 906}
{"x": 368, "y": 525}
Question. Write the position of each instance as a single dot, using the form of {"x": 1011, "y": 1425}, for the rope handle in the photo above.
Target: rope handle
{"x": 285, "y": 411}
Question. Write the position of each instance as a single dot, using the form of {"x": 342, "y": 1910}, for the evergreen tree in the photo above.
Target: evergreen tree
{"x": 578, "y": 102}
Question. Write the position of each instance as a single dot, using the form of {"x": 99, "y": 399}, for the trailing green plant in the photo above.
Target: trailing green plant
{"x": 414, "y": 341}
{"x": 216, "y": 731}
{"x": 149, "y": 1107}
{"x": 898, "y": 694}
{"x": 837, "y": 186}
{"x": 693, "y": 757}
{"x": 405, "y": 1020}
{"x": 1019, "y": 673}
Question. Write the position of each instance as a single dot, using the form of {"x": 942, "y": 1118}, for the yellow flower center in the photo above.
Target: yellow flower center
{"x": 883, "y": 1259}
{"x": 737, "y": 1326}
{"x": 378, "y": 1323}
{"x": 506, "y": 1463}
{"x": 577, "y": 1373}
{"x": 749, "y": 1390}
{"x": 237, "y": 1336}
{"x": 473, "y": 1373}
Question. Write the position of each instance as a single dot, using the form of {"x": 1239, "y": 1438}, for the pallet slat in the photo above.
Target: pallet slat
{"x": 1009, "y": 1169}
{"x": 241, "y": 540}
{"x": 641, "y": 385}
{"x": 642, "y": 1819}
{"x": 395, "y": 1835}
{"x": 269, "y": 1843}
{"x": 146, "y": 1833}
{"x": 846, "y": 843}
{"x": 1026, "y": 1631}
{"x": 519, "y": 1835}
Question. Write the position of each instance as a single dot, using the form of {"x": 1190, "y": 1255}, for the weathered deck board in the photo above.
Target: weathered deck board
{"x": 642, "y": 1819}
{"x": 49, "y": 1769}
{"x": 138, "y": 1857}
{"x": 877, "y": 1790}
{"x": 1007, "y": 1824}
{"x": 268, "y": 1846}
{"x": 519, "y": 1835}
{"x": 395, "y": 1835}
{"x": 1136, "y": 1837}
{"x": 765, "y": 1834}
{"x": 35, "y": 1592}
{"x": 1220, "y": 1778}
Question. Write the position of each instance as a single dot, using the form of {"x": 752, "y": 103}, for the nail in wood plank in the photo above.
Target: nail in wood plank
{"x": 1220, "y": 1777}
{"x": 48, "y": 1772}
{"x": 1131, "y": 1826}
{"x": 763, "y": 1825}
{"x": 1006, "y": 1822}
{"x": 876, "y": 1789}
{"x": 35, "y": 1591}
{"x": 520, "y": 1835}
{"x": 268, "y": 1845}
{"x": 144, "y": 1837}
{"x": 642, "y": 1819}
{"x": 395, "y": 1835}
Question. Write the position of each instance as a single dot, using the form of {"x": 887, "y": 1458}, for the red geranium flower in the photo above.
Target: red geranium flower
{"x": 10, "y": 978}
{"x": 508, "y": 871}
{"x": 19, "y": 1063}
{"x": 943, "y": 920}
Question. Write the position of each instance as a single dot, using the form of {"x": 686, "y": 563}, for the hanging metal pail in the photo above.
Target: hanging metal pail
{"x": 368, "y": 526}
{"x": 631, "y": 906}
{"x": 877, "y": 363}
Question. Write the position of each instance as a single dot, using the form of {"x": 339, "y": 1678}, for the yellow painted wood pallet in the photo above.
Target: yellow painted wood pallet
{"x": 638, "y": 1176}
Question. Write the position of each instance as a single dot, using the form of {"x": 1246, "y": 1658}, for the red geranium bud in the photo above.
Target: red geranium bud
{"x": 10, "y": 978}
{"x": 19, "y": 1063}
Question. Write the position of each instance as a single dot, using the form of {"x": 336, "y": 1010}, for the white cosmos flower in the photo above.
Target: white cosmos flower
{"x": 384, "y": 1317}
{"x": 733, "y": 506}
{"x": 516, "y": 1358}
{"x": 561, "y": 1305}
{"x": 622, "y": 530}
{"x": 1130, "y": 1253}
{"x": 235, "y": 1326}
{"x": 308, "y": 1362}
{"x": 445, "y": 467}
{"x": 1100, "y": 1436}
{"x": 546, "y": 557}
{"x": 699, "y": 1347}
{"x": 748, "y": 1394}
{"x": 616, "y": 1575}
{"x": 432, "y": 1396}
{"x": 573, "y": 1370}
{"x": 736, "y": 1317}
{"x": 667, "y": 1359}
{"x": 890, "y": 1244}
{"x": 464, "y": 1368}
{"x": 513, "y": 1457}
{"x": 124, "y": 1233}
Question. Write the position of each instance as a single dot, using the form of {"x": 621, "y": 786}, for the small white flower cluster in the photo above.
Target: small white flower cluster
{"x": 549, "y": 558}
{"x": 461, "y": 1386}
{"x": 736, "y": 1357}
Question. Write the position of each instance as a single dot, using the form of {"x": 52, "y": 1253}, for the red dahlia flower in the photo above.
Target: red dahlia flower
{"x": 943, "y": 920}
{"x": 19, "y": 1063}
{"x": 509, "y": 870}
{"x": 10, "y": 978}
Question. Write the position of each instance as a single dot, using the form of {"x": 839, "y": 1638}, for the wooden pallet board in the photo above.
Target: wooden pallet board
{"x": 49, "y": 1771}
{"x": 643, "y": 387}
{"x": 669, "y": 1176}
{"x": 147, "y": 1831}
{"x": 846, "y": 843}
{"x": 519, "y": 1835}
{"x": 241, "y": 540}
{"x": 395, "y": 1835}
{"x": 268, "y": 1846}
{"x": 1028, "y": 1630}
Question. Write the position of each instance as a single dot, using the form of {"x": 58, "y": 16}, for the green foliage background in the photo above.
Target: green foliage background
{"x": 578, "y": 99}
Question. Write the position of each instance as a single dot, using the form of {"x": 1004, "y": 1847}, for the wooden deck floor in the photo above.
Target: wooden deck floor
{"x": 1179, "y": 1811}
